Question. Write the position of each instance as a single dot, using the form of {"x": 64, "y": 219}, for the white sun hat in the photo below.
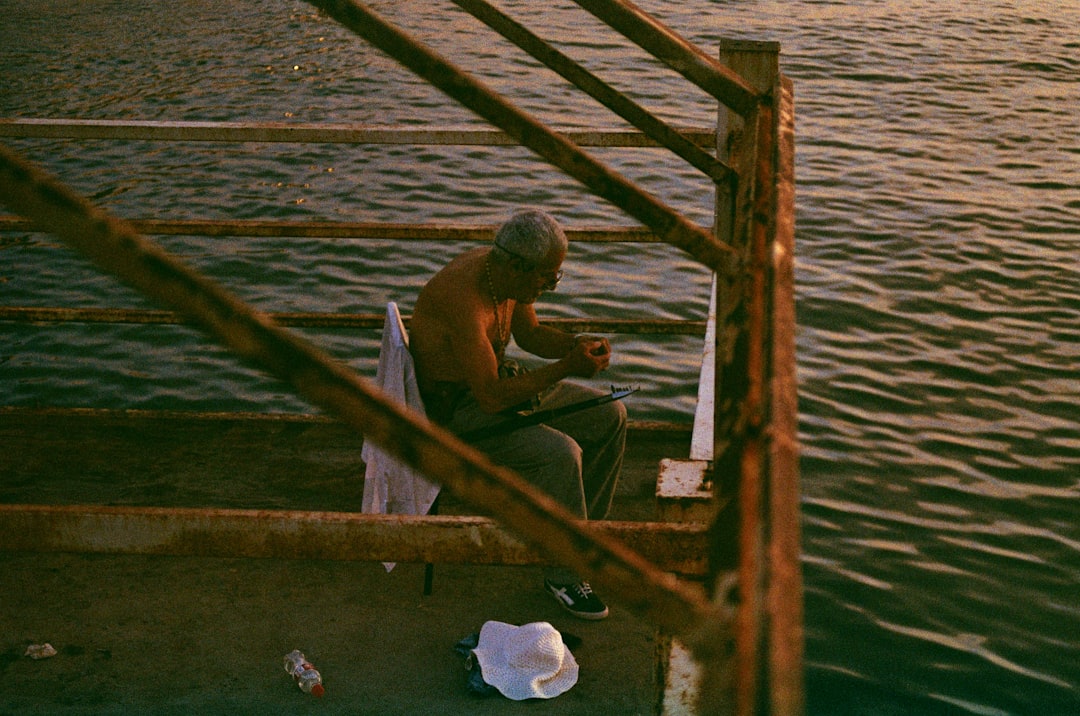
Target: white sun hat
{"x": 525, "y": 662}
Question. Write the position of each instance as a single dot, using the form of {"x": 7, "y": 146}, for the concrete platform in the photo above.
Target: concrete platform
{"x": 185, "y": 635}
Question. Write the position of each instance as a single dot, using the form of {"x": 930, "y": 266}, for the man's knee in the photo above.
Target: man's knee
{"x": 620, "y": 413}
{"x": 615, "y": 417}
{"x": 565, "y": 453}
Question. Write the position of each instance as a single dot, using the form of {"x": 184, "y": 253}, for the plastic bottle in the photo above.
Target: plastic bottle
{"x": 306, "y": 676}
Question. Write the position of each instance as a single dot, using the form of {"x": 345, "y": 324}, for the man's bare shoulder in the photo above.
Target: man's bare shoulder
{"x": 448, "y": 308}
{"x": 453, "y": 287}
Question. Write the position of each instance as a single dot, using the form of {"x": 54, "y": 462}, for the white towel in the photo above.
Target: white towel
{"x": 391, "y": 487}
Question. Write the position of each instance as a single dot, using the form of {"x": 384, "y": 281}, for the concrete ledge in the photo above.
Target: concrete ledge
{"x": 684, "y": 491}
{"x": 341, "y": 536}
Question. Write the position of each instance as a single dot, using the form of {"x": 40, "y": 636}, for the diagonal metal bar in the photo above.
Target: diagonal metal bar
{"x": 668, "y": 224}
{"x": 116, "y": 248}
{"x": 676, "y": 52}
{"x": 597, "y": 88}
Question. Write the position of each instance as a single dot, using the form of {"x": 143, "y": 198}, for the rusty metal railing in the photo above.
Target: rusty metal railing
{"x": 320, "y": 230}
{"x": 116, "y": 248}
{"x": 757, "y": 533}
{"x": 664, "y": 221}
{"x": 33, "y": 314}
{"x": 284, "y": 132}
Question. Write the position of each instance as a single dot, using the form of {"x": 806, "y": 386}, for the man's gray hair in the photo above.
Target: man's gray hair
{"x": 531, "y": 235}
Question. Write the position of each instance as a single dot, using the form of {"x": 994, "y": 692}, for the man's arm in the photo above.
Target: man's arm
{"x": 574, "y": 358}
{"x": 547, "y": 342}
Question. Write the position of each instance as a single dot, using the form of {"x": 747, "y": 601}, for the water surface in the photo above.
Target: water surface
{"x": 938, "y": 284}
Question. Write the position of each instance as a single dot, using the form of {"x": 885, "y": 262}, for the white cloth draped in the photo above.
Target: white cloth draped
{"x": 391, "y": 487}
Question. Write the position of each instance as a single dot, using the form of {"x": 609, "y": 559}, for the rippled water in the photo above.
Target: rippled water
{"x": 938, "y": 200}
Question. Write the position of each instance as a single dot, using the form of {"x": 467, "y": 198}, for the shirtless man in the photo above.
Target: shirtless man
{"x": 461, "y": 324}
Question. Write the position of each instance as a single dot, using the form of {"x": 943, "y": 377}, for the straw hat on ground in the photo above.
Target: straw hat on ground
{"x": 525, "y": 662}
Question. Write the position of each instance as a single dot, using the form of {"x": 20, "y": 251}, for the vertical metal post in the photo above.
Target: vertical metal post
{"x": 740, "y": 534}
{"x": 784, "y": 595}
{"x": 732, "y": 675}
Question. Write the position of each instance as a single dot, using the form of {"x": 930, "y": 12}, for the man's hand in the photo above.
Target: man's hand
{"x": 603, "y": 348}
{"x": 590, "y": 355}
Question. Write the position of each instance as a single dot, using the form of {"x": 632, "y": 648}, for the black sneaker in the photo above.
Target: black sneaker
{"x": 578, "y": 599}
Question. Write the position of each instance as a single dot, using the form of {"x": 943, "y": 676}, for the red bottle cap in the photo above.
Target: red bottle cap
{"x": 317, "y": 690}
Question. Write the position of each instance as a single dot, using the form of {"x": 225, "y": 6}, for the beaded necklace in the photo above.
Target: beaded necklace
{"x": 502, "y": 325}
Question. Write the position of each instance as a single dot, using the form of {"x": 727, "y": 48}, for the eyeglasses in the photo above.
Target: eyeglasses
{"x": 552, "y": 279}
